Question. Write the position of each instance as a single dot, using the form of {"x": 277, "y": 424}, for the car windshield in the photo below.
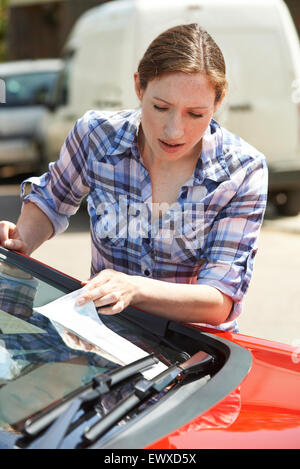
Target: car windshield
{"x": 29, "y": 89}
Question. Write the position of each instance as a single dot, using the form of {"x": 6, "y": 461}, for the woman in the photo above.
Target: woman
{"x": 175, "y": 201}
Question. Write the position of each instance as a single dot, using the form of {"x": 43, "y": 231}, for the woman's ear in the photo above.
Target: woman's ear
{"x": 137, "y": 86}
{"x": 218, "y": 103}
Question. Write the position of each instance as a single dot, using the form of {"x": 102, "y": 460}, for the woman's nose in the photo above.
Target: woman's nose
{"x": 174, "y": 128}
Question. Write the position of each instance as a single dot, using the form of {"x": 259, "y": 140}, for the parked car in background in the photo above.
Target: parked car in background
{"x": 57, "y": 390}
{"x": 28, "y": 85}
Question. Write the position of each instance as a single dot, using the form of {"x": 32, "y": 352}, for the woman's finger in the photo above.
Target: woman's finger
{"x": 15, "y": 245}
{"x": 109, "y": 299}
{"x": 113, "y": 309}
{"x": 92, "y": 293}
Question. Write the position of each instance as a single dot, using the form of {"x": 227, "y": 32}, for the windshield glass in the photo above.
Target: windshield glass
{"x": 29, "y": 89}
{"x": 40, "y": 363}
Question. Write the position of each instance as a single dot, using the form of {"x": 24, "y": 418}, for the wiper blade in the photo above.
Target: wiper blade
{"x": 64, "y": 412}
{"x": 144, "y": 389}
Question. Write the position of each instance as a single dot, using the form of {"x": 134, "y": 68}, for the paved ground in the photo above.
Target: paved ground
{"x": 272, "y": 305}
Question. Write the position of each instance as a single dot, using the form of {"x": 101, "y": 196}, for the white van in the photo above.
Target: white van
{"x": 261, "y": 49}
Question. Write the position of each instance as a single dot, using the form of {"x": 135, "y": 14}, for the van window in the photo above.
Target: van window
{"x": 29, "y": 88}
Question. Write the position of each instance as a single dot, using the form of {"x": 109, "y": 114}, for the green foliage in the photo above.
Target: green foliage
{"x": 3, "y": 28}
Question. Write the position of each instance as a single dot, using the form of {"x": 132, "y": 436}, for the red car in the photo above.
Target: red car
{"x": 217, "y": 390}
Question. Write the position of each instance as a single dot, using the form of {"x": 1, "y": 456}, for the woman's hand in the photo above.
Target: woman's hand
{"x": 10, "y": 237}
{"x": 111, "y": 290}
{"x": 32, "y": 229}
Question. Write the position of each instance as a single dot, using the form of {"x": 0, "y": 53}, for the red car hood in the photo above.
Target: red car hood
{"x": 263, "y": 412}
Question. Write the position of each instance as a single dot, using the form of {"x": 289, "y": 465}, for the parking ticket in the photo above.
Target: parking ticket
{"x": 84, "y": 322}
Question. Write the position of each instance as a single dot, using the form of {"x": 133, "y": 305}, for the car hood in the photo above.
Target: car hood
{"x": 263, "y": 412}
{"x": 20, "y": 121}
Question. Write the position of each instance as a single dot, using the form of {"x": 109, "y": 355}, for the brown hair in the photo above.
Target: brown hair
{"x": 185, "y": 48}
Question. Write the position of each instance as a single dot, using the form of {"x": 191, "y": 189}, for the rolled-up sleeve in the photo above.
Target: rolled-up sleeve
{"x": 231, "y": 244}
{"x": 59, "y": 192}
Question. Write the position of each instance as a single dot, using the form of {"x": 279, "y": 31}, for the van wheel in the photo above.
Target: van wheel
{"x": 288, "y": 203}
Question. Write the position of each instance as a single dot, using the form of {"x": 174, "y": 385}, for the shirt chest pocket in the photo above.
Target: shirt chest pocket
{"x": 180, "y": 239}
{"x": 109, "y": 218}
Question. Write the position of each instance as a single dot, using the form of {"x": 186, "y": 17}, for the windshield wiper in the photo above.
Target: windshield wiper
{"x": 64, "y": 412}
{"x": 142, "y": 390}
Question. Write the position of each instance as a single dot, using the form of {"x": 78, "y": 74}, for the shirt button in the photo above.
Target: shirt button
{"x": 147, "y": 272}
{"x": 183, "y": 194}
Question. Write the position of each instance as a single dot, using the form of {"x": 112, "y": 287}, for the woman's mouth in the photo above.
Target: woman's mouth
{"x": 170, "y": 147}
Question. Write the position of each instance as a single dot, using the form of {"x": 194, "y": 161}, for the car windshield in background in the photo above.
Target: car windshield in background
{"x": 29, "y": 89}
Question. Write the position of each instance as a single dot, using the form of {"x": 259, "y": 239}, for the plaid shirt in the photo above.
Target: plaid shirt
{"x": 209, "y": 236}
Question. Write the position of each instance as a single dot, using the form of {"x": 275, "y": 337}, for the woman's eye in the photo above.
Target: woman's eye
{"x": 159, "y": 108}
{"x": 193, "y": 114}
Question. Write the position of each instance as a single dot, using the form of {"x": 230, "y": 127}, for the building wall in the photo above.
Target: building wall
{"x": 39, "y": 30}
{"x": 294, "y": 7}
{"x": 34, "y": 31}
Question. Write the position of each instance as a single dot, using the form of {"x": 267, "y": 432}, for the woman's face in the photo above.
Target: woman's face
{"x": 176, "y": 110}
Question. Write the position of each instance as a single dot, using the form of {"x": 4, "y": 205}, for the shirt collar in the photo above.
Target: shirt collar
{"x": 126, "y": 136}
{"x": 211, "y": 163}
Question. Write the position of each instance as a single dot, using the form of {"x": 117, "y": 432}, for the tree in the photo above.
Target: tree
{"x": 3, "y": 28}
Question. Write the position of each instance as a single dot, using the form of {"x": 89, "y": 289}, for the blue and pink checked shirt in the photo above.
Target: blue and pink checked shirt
{"x": 209, "y": 236}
